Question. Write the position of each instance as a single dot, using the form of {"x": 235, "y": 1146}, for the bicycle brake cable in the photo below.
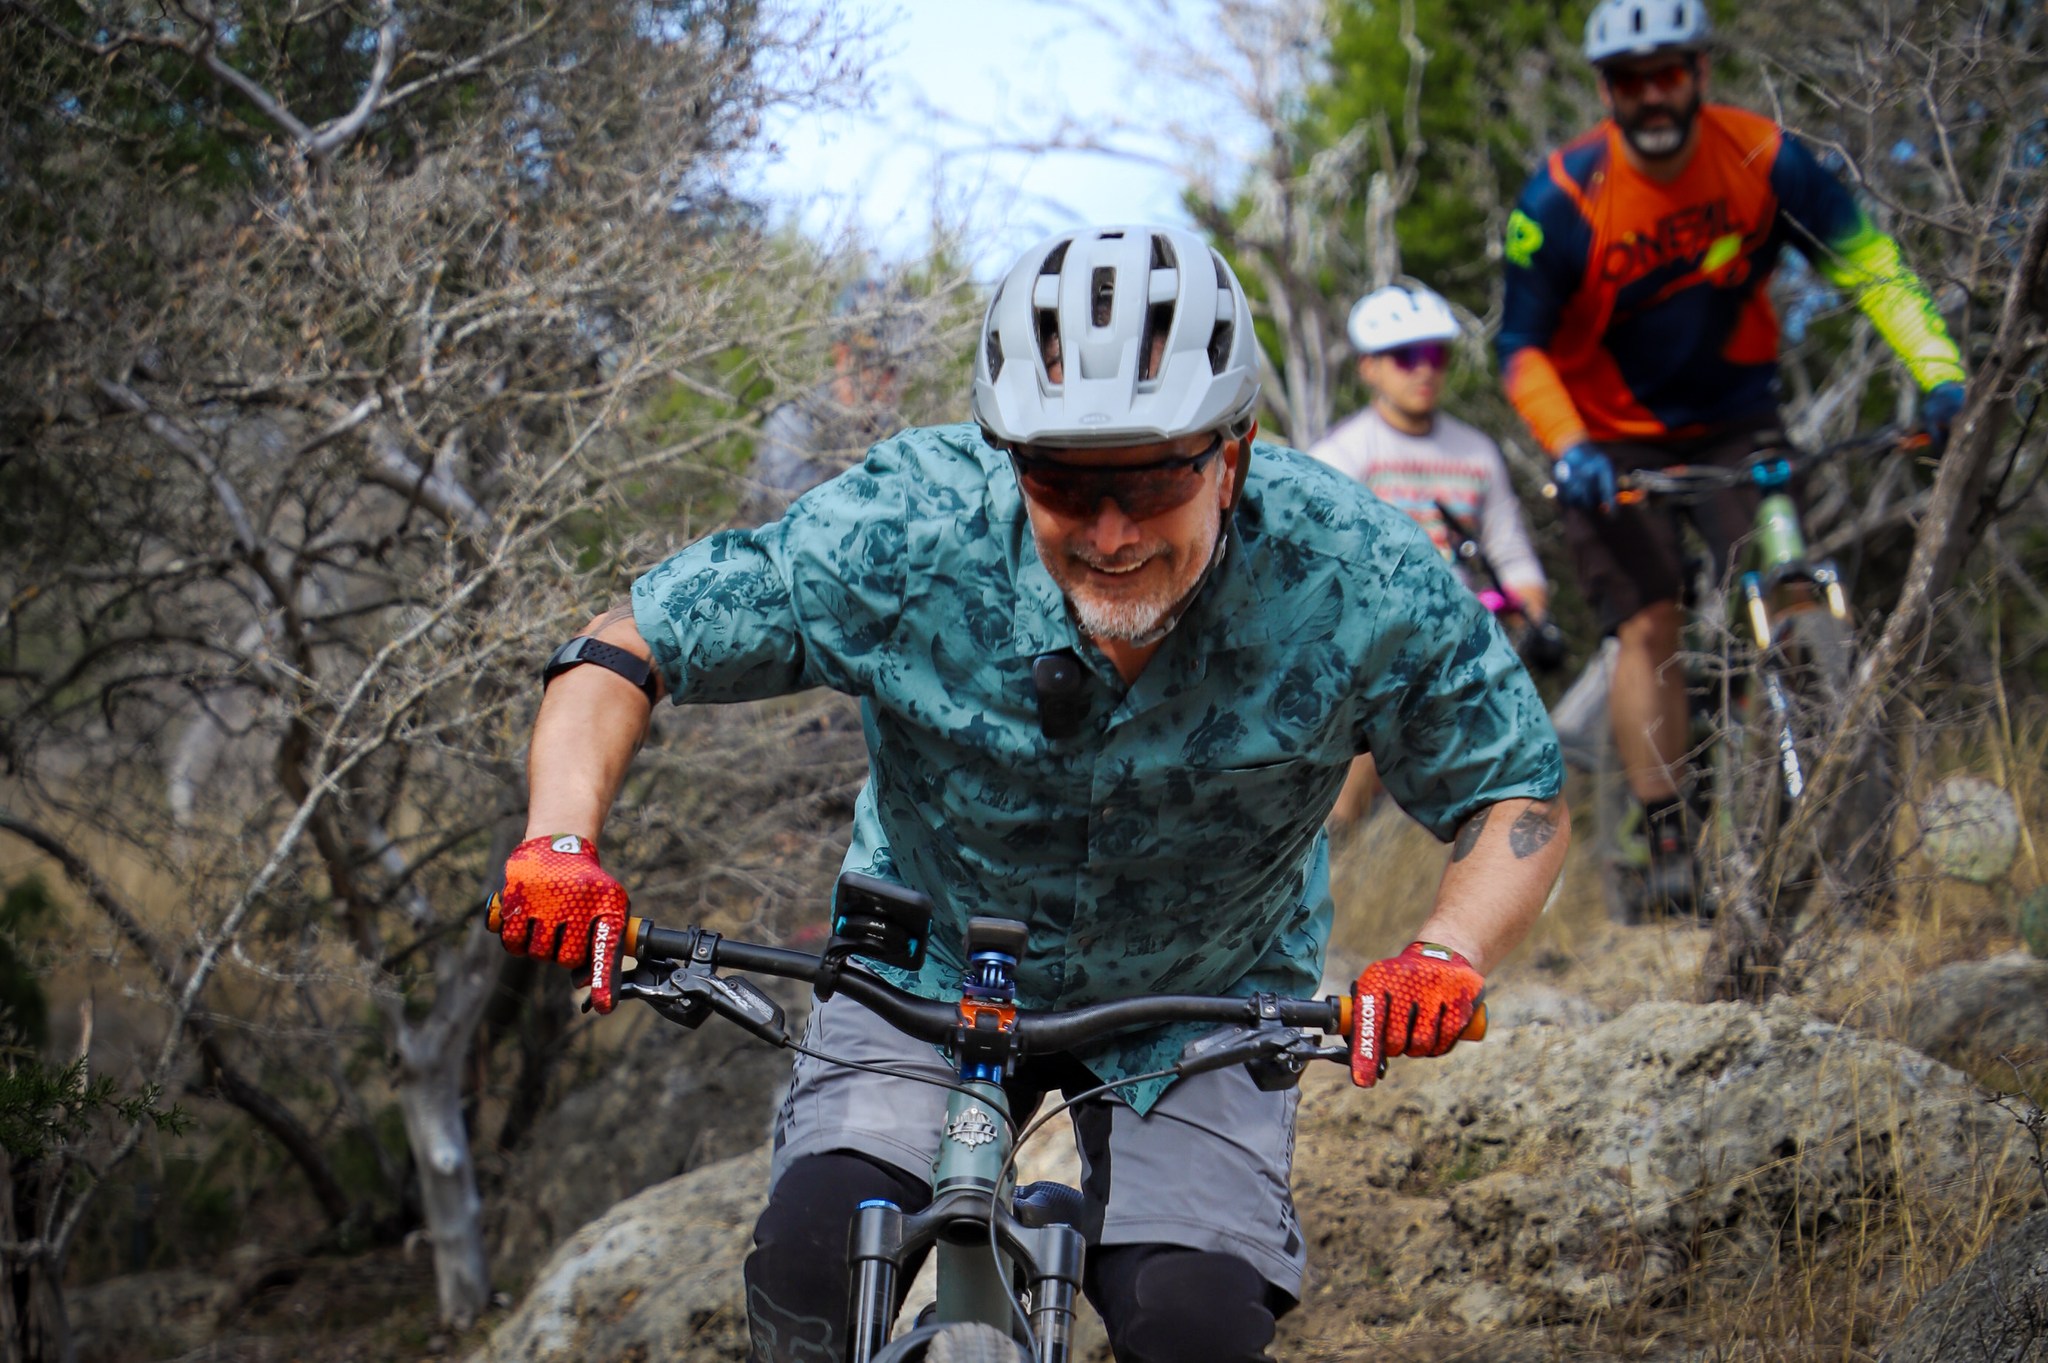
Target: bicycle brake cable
{"x": 890, "y": 1073}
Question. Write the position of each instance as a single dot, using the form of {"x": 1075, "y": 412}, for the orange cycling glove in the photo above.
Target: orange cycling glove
{"x": 559, "y": 904}
{"x": 1418, "y": 1003}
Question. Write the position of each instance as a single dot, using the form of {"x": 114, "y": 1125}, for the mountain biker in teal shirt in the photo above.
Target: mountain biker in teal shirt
{"x": 1240, "y": 623}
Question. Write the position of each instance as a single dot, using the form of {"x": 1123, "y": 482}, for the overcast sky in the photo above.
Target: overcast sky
{"x": 953, "y": 76}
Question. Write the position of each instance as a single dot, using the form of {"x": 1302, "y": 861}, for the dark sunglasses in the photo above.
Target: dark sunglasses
{"x": 1665, "y": 79}
{"x": 1141, "y": 490}
{"x": 1435, "y": 354}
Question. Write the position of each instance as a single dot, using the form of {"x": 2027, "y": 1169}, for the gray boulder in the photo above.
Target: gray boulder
{"x": 1993, "y": 1309}
{"x": 1968, "y": 1012}
{"x": 658, "y": 1276}
{"x": 1563, "y": 1168}
{"x": 670, "y": 1102}
{"x": 1570, "y": 1170}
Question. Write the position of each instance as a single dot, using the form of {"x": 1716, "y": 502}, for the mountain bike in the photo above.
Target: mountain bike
{"x": 1009, "y": 1259}
{"x": 1769, "y": 657}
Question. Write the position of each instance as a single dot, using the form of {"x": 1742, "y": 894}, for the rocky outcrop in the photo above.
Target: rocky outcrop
{"x": 146, "y": 1315}
{"x": 1993, "y": 1309}
{"x": 1969, "y": 1012}
{"x": 671, "y": 1101}
{"x": 1554, "y": 1172}
{"x": 658, "y": 1276}
{"x": 1566, "y": 1166}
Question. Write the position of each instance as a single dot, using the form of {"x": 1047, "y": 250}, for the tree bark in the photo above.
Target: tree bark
{"x": 430, "y": 1058}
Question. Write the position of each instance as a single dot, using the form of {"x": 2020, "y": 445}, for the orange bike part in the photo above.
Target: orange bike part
{"x": 973, "y": 1010}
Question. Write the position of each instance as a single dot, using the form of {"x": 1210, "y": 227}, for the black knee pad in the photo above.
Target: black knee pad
{"x": 1165, "y": 1304}
{"x": 797, "y": 1275}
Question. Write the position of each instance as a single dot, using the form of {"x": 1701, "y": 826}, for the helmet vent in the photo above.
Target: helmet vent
{"x": 1162, "y": 254}
{"x": 995, "y": 355}
{"x": 1101, "y": 296}
{"x": 1219, "y": 345}
{"x": 1152, "y": 345}
{"x": 1056, "y": 259}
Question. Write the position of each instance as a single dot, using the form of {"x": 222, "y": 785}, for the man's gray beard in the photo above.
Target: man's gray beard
{"x": 1146, "y": 621}
{"x": 1666, "y": 139}
{"x": 1129, "y": 621}
{"x": 1658, "y": 142}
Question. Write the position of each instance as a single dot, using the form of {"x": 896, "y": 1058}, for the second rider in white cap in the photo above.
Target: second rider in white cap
{"x": 1425, "y": 461}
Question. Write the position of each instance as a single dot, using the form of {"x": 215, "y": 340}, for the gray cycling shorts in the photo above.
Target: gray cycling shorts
{"x": 1208, "y": 1167}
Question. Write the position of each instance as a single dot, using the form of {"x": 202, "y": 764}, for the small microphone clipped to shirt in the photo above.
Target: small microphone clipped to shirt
{"x": 1056, "y": 680}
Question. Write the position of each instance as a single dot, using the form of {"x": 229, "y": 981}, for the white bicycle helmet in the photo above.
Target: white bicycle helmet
{"x": 1637, "y": 28}
{"x": 1105, "y": 295}
{"x": 1395, "y": 316}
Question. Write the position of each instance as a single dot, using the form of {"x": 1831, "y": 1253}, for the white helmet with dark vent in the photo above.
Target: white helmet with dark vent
{"x": 1110, "y": 299}
{"x": 1395, "y": 316}
{"x": 1637, "y": 28}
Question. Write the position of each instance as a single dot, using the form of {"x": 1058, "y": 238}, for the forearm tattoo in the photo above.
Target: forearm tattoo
{"x": 1468, "y": 833}
{"x": 1532, "y": 830}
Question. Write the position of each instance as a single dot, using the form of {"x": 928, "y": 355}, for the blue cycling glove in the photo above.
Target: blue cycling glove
{"x": 1584, "y": 478}
{"x": 1939, "y": 410}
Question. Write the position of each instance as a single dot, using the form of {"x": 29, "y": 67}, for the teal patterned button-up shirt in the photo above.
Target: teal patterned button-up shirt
{"x": 1173, "y": 845}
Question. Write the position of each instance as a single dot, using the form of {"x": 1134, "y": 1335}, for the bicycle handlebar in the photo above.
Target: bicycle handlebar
{"x": 1766, "y": 468}
{"x": 1036, "y": 1033}
{"x": 930, "y": 1020}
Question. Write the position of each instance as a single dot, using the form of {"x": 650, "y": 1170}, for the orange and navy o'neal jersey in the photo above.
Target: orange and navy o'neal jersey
{"x": 1639, "y": 310}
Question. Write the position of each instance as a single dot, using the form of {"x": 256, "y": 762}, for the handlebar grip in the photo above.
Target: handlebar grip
{"x": 1475, "y": 1030}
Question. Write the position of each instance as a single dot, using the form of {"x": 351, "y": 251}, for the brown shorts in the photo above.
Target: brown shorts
{"x": 1634, "y": 557}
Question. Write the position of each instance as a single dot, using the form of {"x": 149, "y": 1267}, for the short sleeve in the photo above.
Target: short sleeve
{"x": 811, "y": 599}
{"x": 1448, "y": 710}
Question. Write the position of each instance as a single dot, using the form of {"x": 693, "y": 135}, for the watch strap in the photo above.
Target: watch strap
{"x": 584, "y": 649}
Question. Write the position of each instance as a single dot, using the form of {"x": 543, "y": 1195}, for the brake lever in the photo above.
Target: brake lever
{"x": 687, "y": 994}
{"x": 1275, "y": 1056}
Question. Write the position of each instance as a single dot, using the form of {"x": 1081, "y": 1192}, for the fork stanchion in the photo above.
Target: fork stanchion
{"x": 1056, "y": 1254}
{"x": 873, "y": 1245}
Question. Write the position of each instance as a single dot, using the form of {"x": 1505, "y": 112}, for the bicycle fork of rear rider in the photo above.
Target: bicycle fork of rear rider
{"x": 972, "y": 1185}
{"x": 1784, "y": 583}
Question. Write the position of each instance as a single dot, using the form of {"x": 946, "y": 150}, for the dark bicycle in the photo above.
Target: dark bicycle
{"x": 1769, "y": 654}
{"x": 1009, "y": 1258}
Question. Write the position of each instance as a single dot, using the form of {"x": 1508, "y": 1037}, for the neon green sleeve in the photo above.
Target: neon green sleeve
{"x": 1867, "y": 264}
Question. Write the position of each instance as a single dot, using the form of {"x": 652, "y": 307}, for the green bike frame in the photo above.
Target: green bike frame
{"x": 1781, "y": 582}
{"x": 983, "y": 1248}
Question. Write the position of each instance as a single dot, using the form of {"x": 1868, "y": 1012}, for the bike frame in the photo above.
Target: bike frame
{"x": 1781, "y": 582}
{"x": 1777, "y": 582}
{"x": 990, "y": 1242}
{"x": 971, "y": 1213}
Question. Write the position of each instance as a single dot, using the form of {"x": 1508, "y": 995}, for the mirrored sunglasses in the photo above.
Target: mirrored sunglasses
{"x": 1665, "y": 79}
{"x": 1141, "y": 490}
{"x": 1435, "y": 354}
